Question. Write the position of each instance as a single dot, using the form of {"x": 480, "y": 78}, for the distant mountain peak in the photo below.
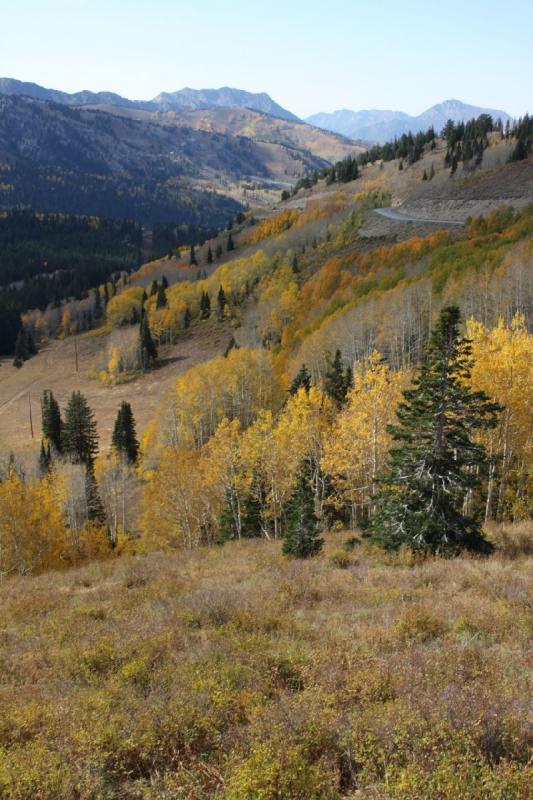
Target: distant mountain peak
{"x": 226, "y": 96}
{"x": 378, "y": 126}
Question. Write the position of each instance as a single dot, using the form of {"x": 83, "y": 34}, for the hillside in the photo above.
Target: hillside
{"x": 260, "y": 127}
{"x": 148, "y": 166}
{"x": 383, "y": 126}
{"x": 333, "y": 318}
{"x": 238, "y": 674}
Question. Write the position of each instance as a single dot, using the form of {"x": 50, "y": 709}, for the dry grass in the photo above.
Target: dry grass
{"x": 235, "y": 673}
{"x": 54, "y": 368}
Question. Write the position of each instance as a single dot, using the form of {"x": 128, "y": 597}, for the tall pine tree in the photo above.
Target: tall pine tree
{"x": 51, "y": 420}
{"x": 80, "y": 439}
{"x": 302, "y": 538}
{"x": 435, "y": 467}
{"x": 124, "y": 438}
{"x": 147, "y": 348}
{"x": 301, "y": 380}
{"x": 337, "y": 380}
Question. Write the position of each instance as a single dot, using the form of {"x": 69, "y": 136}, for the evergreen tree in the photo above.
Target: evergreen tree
{"x": 80, "y": 439}
{"x": 227, "y": 528}
{"x": 230, "y": 246}
{"x": 97, "y": 310}
{"x": 302, "y": 537}
{"x": 425, "y": 176}
{"x": 154, "y": 288}
{"x": 294, "y": 265}
{"x": 218, "y": 251}
{"x": 161, "y": 300}
{"x": 337, "y": 381}
{"x": 187, "y": 318}
{"x": 192, "y": 257}
{"x": 209, "y": 256}
{"x": 301, "y": 379}
{"x": 30, "y": 344}
{"x": 147, "y": 348}
{"x": 45, "y": 458}
{"x": 21, "y": 349}
{"x": 205, "y": 306}
{"x": 95, "y": 509}
{"x": 221, "y": 300}
{"x": 51, "y": 420}
{"x": 164, "y": 282}
{"x": 427, "y": 494}
{"x": 251, "y": 521}
{"x": 124, "y": 438}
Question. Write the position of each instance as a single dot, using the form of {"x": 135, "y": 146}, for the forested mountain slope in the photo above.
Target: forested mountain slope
{"x": 57, "y": 158}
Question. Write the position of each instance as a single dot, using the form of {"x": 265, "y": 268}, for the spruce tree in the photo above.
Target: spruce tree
{"x": 45, "y": 458}
{"x": 21, "y": 349}
{"x": 97, "y": 308}
{"x": 95, "y": 509}
{"x": 301, "y": 379}
{"x": 51, "y": 420}
{"x": 218, "y": 251}
{"x": 192, "y": 257}
{"x": 154, "y": 288}
{"x": 161, "y": 300}
{"x": 31, "y": 349}
{"x": 221, "y": 300}
{"x": 147, "y": 348}
{"x": 435, "y": 467}
{"x": 209, "y": 256}
{"x": 230, "y": 245}
{"x": 205, "y": 306}
{"x": 187, "y": 318}
{"x": 80, "y": 439}
{"x": 251, "y": 520}
{"x": 302, "y": 538}
{"x": 337, "y": 380}
{"x": 164, "y": 281}
{"x": 124, "y": 438}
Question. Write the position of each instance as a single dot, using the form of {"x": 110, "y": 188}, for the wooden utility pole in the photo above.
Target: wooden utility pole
{"x": 31, "y": 418}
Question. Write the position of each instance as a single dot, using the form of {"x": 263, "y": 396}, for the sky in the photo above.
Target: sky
{"x": 309, "y": 55}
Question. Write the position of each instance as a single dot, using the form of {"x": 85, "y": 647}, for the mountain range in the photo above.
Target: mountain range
{"x": 380, "y": 126}
{"x": 193, "y": 156}
{"x": 165, "y": 101}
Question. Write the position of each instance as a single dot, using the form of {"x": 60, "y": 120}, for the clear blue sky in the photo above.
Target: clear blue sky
{"x": 309, "y": 55}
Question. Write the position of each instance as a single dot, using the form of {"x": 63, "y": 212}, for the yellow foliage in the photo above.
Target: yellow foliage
{"x": 358, "y": 446}
{"x": 121, "y": 307}
{"x": 272, "y": 226}
{"x": 31, "y": 526}
{"x": 503, "y": 368}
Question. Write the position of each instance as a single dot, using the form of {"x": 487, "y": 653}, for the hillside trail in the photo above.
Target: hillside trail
{"x": 393, "y": 213}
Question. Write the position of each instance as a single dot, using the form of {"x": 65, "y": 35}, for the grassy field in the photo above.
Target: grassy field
{"x": 54, "y": 367}
{"x": 235, "y": 673}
